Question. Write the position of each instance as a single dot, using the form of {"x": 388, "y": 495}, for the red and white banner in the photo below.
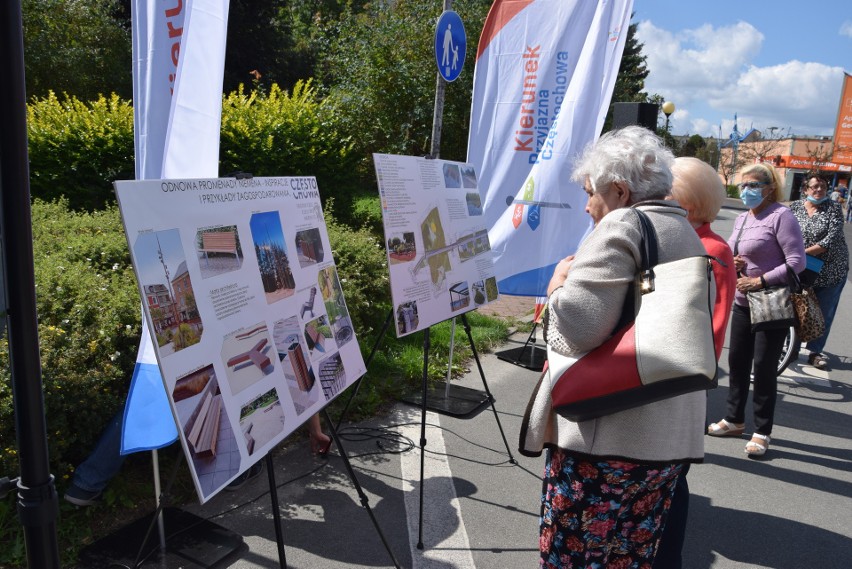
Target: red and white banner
{"x": 178, "y": 67}
{"x": 545, "y": 72}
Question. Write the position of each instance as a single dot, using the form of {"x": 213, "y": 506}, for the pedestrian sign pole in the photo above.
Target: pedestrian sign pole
{"x": 450, "y": 48}
{"x": 450, "y": 44}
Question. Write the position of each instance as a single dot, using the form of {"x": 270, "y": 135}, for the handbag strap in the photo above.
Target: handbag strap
{"x": 647, "y": 250}
{"x": 737, "y": 241}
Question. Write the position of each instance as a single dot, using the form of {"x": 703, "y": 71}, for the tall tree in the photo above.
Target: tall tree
{"x": 380, "y": 70}
{"x": 278, "y": 41}
{"x": 79, "y": 47}
{"x": 632, "y": 72}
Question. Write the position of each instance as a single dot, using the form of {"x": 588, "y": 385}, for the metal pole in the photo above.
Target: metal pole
{"x": 38, "y": 504}
{"x": 438, "y": 112}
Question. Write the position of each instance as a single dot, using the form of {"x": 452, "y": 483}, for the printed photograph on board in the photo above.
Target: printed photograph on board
{"x": 309, "y": 247}
{"x": 261, "y": 420}
{"x": 296, "y": 364}
{"x": 332, "y": 375}
{"x": 335, "y": 306}
{"x": 468, "y": 174}
{"x": 203, "y": 418}
{"x": 401, "y": 248}
{"x": 272, "y": 259}
{"x": 169, "y": 296}
{"x": 245, "y": 354}
{"x": 319, "y": 338}
{"x": 219, "y": 250}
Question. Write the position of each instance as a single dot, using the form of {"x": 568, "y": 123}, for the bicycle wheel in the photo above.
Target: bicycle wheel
{"x": 790, "y": 351}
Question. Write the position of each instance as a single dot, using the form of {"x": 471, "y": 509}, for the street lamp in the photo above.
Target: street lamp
{"x": 668, "y": 109}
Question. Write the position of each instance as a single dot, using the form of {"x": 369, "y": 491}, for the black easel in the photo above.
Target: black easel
{"x": 423, "y": 400}
{"x": 528, "y": 355}
{"x": 365, "y": 501}
{"x": 425, "y": 396}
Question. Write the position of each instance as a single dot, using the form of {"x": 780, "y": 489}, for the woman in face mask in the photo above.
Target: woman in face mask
{"x": 821, "y": 220}
{"x": 765, "y": 241}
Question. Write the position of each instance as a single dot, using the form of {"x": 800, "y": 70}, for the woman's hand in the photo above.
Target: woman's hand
{"x": 739, "y": 263}
{"x": 748, "y": 284}
{"x": 560, "y": 273}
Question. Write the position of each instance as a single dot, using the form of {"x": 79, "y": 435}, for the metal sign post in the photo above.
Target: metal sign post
{"x": 450, "y": 48}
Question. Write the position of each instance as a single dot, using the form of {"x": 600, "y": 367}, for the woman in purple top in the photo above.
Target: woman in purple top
{"x": 766, "y": 240}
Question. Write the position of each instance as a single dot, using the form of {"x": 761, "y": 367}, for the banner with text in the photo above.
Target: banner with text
{"x": 439, "y": 257}
{"x": 545, "y": 72}
{"x": 249, "y": 324}
{"x": 178, "y": 66}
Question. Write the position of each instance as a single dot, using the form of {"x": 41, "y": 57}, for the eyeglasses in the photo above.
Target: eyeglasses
{"x": 750, "y": 185}
{"x": 817, "y": 187}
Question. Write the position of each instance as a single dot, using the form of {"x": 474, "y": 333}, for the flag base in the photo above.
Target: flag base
{"x": 528, "y": 356}
{"x": 191, "y": 542}
{"x": 459, "y": 402}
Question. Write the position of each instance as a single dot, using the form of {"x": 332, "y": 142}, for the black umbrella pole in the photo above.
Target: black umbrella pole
{"x": 37, "y": 500}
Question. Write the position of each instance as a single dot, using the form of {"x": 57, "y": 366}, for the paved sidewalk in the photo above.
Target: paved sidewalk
{"x": 789, "y": 510}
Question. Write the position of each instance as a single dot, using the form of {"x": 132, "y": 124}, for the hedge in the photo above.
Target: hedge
{"x": 89, "y": 321}
{"x": 77, "y": 149}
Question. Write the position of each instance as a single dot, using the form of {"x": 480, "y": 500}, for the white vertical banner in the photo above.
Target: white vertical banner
{"x": 545, "y": 72}
{"x": 178, "y": 67}
{"x": 195, "y": 120}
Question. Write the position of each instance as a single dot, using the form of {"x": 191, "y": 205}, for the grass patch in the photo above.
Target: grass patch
{"x": 396, "y": 369}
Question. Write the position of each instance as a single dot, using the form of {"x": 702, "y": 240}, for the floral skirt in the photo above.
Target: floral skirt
{"x": 603, "y": 514}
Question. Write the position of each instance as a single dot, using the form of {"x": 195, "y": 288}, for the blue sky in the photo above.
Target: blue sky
{"x": 775, "y": 63}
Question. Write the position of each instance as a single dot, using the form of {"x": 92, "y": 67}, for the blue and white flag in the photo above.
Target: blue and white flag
{"x": 545, "y": 72}
{"x": 178, "y": 67}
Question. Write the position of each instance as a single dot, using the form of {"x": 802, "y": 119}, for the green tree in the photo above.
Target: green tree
{"x": 692, "y": 146}
{"x": 632, "y": 72}
{"x": 78, "y": 47}
{"x": 276, "y": 41}
{"x": 379, "y": 70}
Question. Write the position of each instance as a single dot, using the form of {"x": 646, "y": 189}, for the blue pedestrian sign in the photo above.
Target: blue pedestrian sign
{"x": 450, "y": 45}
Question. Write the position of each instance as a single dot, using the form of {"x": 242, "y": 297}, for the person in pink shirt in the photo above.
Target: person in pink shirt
{"x": 698, "y": 190}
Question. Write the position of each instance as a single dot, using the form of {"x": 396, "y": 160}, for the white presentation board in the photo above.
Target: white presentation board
{"x": 439, "y": 256}
{"x": 250, "y": 327}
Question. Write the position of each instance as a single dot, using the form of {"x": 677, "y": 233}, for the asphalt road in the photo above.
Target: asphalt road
{"x": 789, "y": 510}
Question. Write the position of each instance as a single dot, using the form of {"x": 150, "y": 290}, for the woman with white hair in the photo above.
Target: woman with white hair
{"x": 608, "y": 481}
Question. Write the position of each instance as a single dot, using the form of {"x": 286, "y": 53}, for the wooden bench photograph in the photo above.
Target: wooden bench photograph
{"x": 219, "y": 242}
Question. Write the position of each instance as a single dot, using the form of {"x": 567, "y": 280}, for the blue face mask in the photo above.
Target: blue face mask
{"x": 816, "y": 201}
{"x": 752, "y": 197}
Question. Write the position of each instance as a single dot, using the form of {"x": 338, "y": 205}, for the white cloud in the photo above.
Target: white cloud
{"x": 686, "y": 65}
{"x": 712, "y": 68}
{"x": 800, "y": 95}
{"x": 846, "y": 28}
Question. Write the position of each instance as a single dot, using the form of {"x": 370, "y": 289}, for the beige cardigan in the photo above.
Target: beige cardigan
{"x": 585, "y": 310}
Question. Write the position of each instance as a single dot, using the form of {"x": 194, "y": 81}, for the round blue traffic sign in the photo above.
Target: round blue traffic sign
{"x": 450, "y": 45}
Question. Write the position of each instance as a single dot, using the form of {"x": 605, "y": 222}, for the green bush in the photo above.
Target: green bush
{"x": 88, "y": 327}
{"x": 287, "y": 134}
{"x": 362, "y": 270}
{"x": 78, "y": 149}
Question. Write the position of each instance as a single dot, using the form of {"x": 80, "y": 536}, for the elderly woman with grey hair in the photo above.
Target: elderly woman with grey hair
{"x": 608, "y": 481}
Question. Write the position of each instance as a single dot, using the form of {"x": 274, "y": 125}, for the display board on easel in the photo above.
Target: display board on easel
{"x": 439, "y": 256}
{"x": 250, "y": 326}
